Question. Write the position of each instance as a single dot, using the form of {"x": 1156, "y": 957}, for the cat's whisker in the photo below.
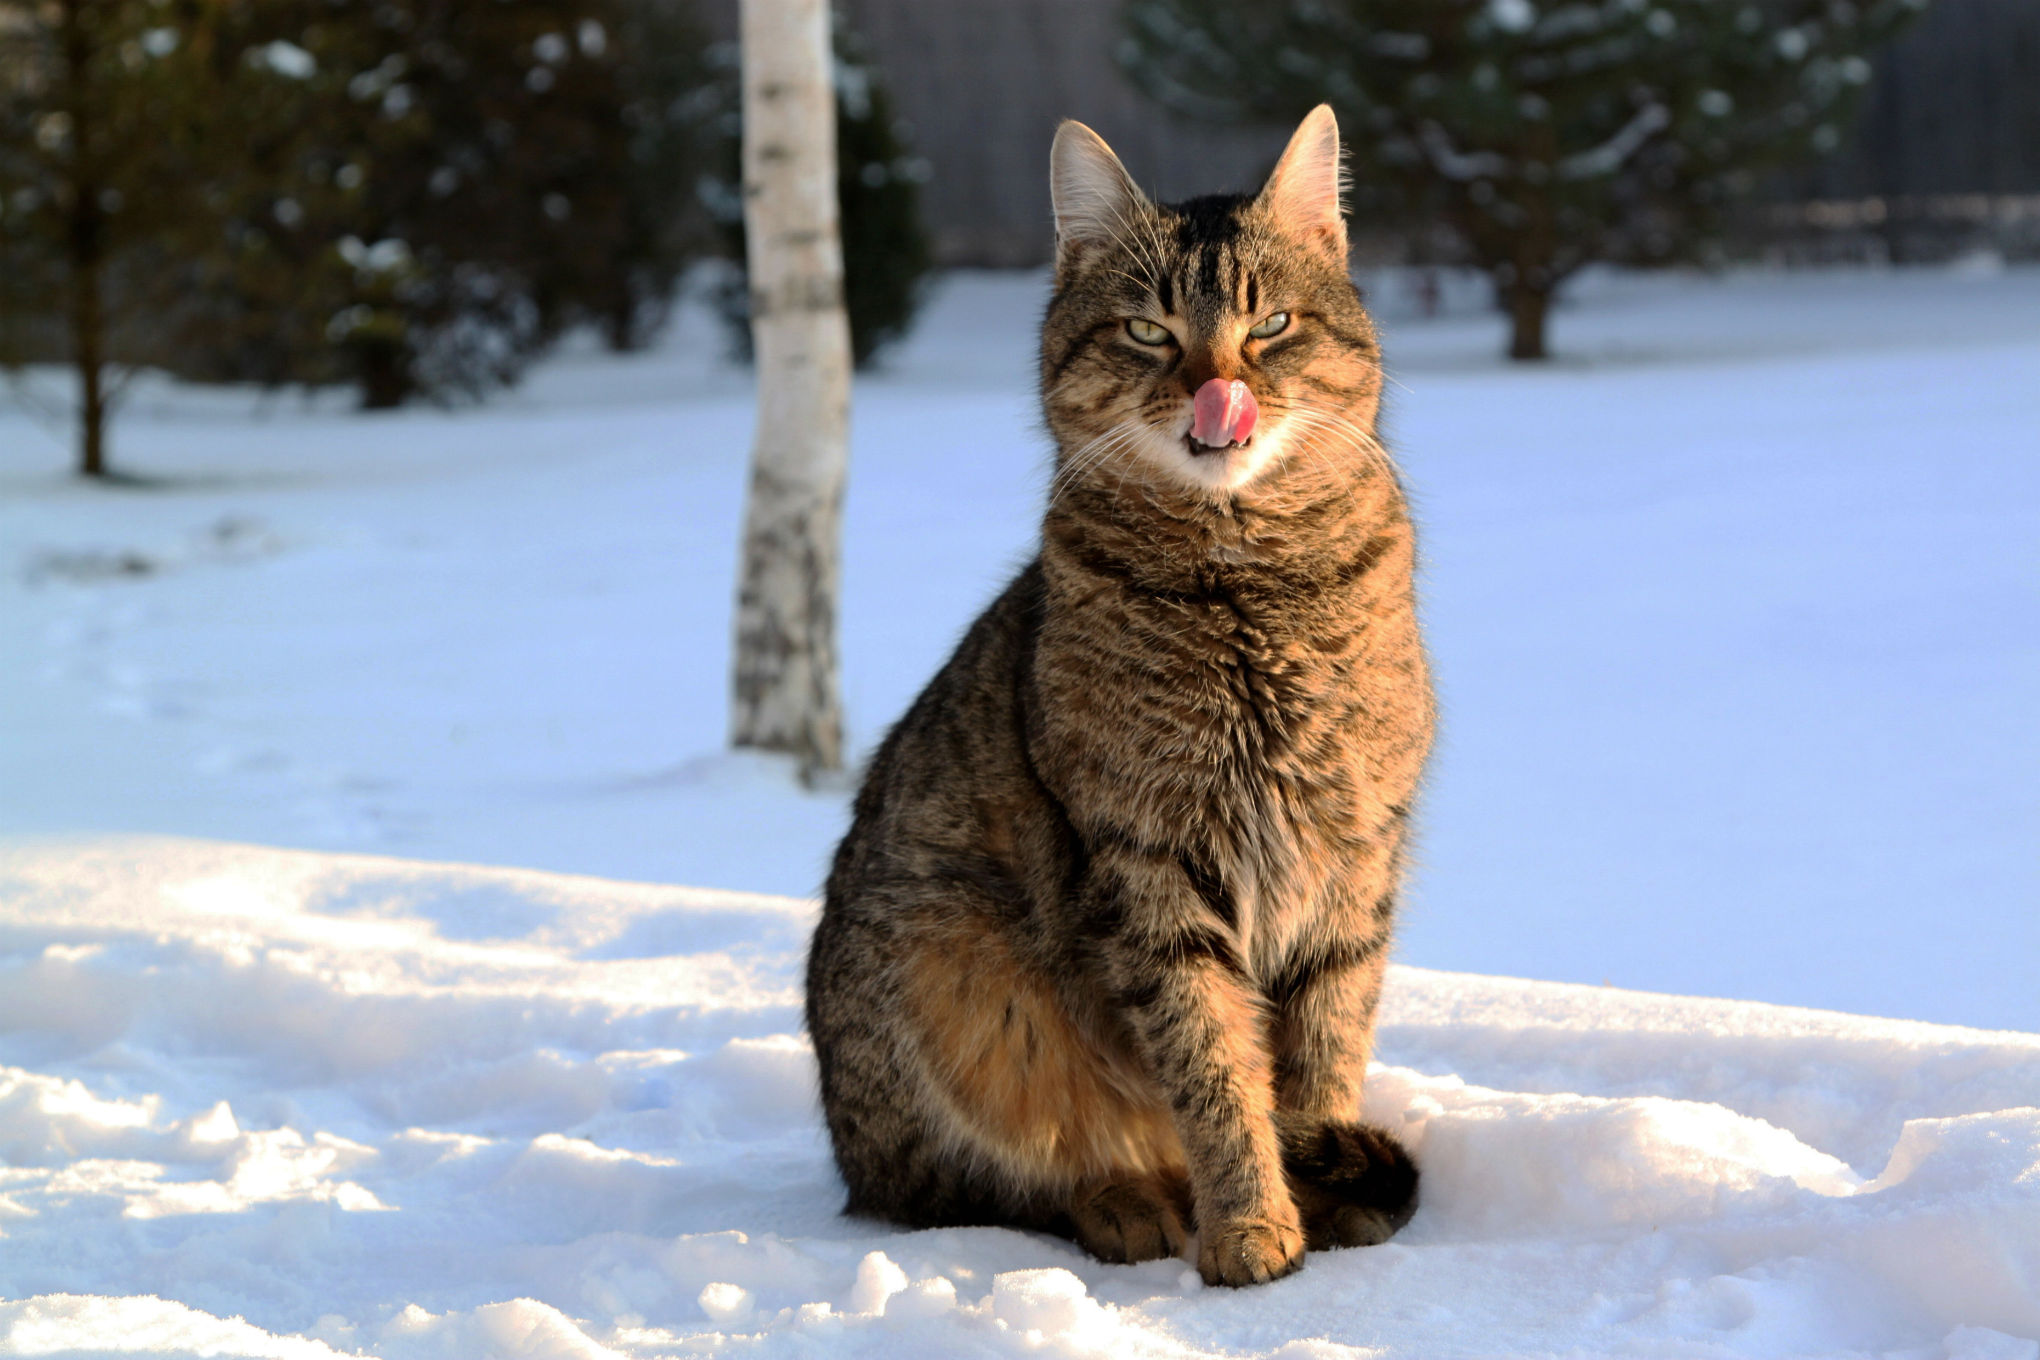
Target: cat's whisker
{"x": 1066, "y": 476}
{"x": 1076, "y": 473}
{"x": 1126, "y": 234}
{"x": 1311, "y": 422}
{"x": 1154, "y": 244}
{"x": 1108, "y": 434}
{"x": 1131, "y": 220}
{"x": 1389, "y": 377}
{"x": 1313, "y": 450}
{"x": 1313, "y": 416}
{"x": 1101, "y": 447}
{"x": 1079, "y": 464}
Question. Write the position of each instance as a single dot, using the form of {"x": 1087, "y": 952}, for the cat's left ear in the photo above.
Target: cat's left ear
{"x": 1303, "y": 192}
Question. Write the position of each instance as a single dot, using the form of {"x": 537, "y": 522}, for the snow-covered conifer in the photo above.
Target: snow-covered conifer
{"x": 1546, "y": 134}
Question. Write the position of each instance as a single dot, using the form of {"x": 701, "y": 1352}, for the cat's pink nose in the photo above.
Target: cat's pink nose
{"x": 1223, "y": 413}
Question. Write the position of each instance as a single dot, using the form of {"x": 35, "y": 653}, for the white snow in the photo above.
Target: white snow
{"x": 265, "y": 1102}
{"x": 1733, "y": 610}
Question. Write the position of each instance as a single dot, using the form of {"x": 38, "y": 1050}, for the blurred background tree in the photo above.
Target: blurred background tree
{"x": 411, "y": 197}
{"x": 108, "y": 136}
{"x": 1545, "y": 136}
{"x": 459, "y": 183}
{"x": 886, "y": 251}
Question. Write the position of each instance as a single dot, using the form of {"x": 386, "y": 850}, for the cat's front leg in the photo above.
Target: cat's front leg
{"x": 1354, "y": 1185}
{"x": 1201, "y": 1027}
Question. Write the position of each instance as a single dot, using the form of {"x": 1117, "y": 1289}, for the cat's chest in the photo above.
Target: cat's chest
{"x": 1233, "y": 731}
{"x": 1214, "y": 702}
{"x": 1272, "y": 678}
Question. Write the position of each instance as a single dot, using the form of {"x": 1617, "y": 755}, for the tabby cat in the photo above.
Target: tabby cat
{"x": 1101, "y": 950}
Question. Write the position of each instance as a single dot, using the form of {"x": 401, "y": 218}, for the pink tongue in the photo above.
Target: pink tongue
{"x": 1223, "y": 413}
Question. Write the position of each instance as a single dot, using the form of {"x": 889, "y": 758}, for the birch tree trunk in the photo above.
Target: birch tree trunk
{"x": 785, "y": 681}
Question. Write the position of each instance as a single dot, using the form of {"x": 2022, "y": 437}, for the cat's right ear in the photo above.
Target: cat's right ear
{"x": 1096, "y": 201}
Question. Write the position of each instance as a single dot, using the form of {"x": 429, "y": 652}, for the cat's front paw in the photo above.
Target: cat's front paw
{"x": 1246, "y": 1251}
{"x": 1354, "y": 1185}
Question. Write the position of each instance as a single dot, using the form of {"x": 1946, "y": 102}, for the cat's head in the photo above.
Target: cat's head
{"x": 1213, "y": 345}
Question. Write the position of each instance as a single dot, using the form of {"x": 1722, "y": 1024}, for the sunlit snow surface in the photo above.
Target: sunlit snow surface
{"x": 1733, "y": 609}
{"x": 273, "y": 1103}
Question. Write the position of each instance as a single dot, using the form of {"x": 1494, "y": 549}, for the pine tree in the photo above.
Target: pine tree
{"x": 1545, "y": 134}
{"x": 102, "y": 157}
{"x": 878, "y": 182}
{"x": 414, "y": 197}
{"x": 461, "y": 181}
{"x": 665, "y": 88}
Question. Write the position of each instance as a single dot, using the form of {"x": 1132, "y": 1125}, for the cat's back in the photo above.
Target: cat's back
{"x": 926, "y": 798}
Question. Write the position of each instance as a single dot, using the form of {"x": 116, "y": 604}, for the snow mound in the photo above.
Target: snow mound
{"x": 277, "y": 1104}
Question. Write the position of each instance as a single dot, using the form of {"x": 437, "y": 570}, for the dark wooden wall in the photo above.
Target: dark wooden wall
{"x": 984, "y": 82}
{"x": 1954, "y": 109}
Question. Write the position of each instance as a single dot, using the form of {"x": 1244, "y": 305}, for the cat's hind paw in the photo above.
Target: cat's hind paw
{"x": 1124, "y": 1221}
{"x": 1347, "y": 1225}
{"x": 1354, "y": 1185}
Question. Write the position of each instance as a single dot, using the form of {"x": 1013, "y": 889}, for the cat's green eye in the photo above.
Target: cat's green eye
{"x": 1147, "y": 332}
{"x": 1273, "y": 325}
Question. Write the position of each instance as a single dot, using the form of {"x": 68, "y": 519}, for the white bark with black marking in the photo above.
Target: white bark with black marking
{"x": 785, "y": 677}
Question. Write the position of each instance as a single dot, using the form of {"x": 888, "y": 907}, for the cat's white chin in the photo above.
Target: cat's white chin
{"x": 1214, "y": 472}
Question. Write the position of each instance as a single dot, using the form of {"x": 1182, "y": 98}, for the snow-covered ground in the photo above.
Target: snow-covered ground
{"x": 1736, "y": 616}
{"x": 271, "y": 1103}
{"x": 1735, "y": 613}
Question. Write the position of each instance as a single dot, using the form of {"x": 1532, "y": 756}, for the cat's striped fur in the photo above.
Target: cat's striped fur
{"x": 1101, "y": 951}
